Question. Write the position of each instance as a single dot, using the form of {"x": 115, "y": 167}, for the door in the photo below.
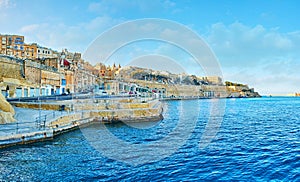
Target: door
{"x": 19, "y": 92}
{"x": 31, "y": 92}
{"x": 25, "y": 92}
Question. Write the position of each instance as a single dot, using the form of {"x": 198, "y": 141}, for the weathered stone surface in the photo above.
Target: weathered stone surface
{"x": 6, "y": 117}
{"x": 37, "y": 106}
{"x": 65, "y": 120}
{"x": 6, "y": 111}
{"x": 115, "y": 111}
{"x": 5, "y": 106}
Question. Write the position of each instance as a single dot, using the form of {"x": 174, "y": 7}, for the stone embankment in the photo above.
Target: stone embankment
{"x": 80, "y": 113}
{"x": 6, "y": 111}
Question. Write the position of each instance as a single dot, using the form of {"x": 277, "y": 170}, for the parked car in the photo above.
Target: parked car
{"x": 124, "y": 93}
{"x": 102, "y": 93}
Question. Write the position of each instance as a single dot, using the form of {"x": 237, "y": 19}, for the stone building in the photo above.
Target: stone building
{"x": 108, "y": 72}
{"x": 79, "y": 75}
{"x": 11, "y": 75}
{"x": 44, "y": 71}
{"x": 108, "y": 78}
{"x": 30, "y": 51}
{"x": 213, "y": 80}
{"x": 14, "y": 45}
{"x": 26, "y": 78}
{"x": 44, "y": 52}
{"x": 86, "y": 77}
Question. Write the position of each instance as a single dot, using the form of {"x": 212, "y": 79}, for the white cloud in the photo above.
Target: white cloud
{"x": 99, "y": 7}
{"x": 238, "y": 45}
{"x": 185, "y": 44}
{"x": 5, "y": 3}
{"x": 157, "y": 62}
{"x": 75, "y": 38}
{"x": 276, "y": 40}
{"x": 29, "y": 28}
{"x": 264, "y": 82}
{"x": 266, "y": 59}
{"x": 106, "y": 7}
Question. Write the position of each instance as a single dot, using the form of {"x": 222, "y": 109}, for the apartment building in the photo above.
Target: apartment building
{"x": 30, "y": 51}
{"x": 12, "y": 45}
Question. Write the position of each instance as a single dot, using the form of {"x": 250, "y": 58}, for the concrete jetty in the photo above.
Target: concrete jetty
{"x": 54, "y": 118}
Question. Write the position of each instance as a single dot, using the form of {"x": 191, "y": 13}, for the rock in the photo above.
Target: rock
{"x": 6, "y": 117}
{"x": 5, "y": 106}
{"x": 6, "y": 111}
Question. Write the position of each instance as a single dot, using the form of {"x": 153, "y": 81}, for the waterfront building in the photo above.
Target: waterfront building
{"x": 12, "y": 45}
{"x": 79, "y": 75}
{"x": 109, "y": 79}
{"x": 85, "y": 75}
{"x": 30, "y": 51}
{"x": 27, "y": 78}
{"x": 44, "y": 52}
{"x": 32, "y": 70}
{"x": 108, "y": 72}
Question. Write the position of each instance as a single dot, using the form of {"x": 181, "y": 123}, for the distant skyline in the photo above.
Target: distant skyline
{"x": 256, "y": 42}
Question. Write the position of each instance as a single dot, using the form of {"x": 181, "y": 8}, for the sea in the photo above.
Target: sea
{"x": 243, "y": 139}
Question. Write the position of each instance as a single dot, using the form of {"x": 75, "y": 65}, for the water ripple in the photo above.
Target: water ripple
{"x": 259, "y": 140}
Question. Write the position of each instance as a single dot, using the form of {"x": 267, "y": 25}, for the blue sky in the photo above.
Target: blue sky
{"x": 256, "y": 42}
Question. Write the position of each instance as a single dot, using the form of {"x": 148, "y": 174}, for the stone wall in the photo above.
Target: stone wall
{"x": 85, "y": 106}
{"x": 6, "y": 111}
{"x": 43, "y": 106}
{"x": 199, "y": 90}
{"x": 186, "y": 90}
{"x": 17, "y": 73}
{"x": 172, "y": 89}
{"x": 117, "y": 112}
{"x": 10, "y": 68}
{"x": 32, "y": 75}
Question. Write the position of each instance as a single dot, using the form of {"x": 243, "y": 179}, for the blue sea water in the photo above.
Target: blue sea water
{"x": 257, "y": 140}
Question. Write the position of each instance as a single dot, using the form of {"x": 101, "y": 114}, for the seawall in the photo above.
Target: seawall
{"x": 83, "y": 113}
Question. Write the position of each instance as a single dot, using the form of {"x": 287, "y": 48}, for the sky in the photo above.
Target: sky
{"x": 255, "y": 42}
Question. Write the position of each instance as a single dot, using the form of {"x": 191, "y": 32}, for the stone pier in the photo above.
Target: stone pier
{"x": 76, "y": 114}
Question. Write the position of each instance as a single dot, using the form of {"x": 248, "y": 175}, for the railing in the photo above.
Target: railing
{"x": 39, "y": 123}
{"x": 16, "y": 128}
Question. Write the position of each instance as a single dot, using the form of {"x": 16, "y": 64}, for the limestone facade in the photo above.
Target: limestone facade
{"x": 12, "y": 45}
{"x": 25, "y": 78}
